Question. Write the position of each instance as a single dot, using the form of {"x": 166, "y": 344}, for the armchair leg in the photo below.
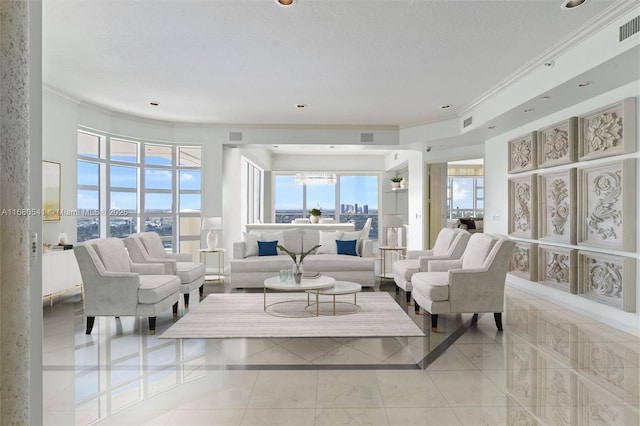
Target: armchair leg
{"x": 201, "y": 290}
{"x": 186, "y": 300}
{"x": 152, "y": 326}
{"x": 397, "y": 289}
{"x": 90, "y": 322}
{"x": 408, "y": 294}
{"x": 434, "y": 323}
{"x": 416, "y": 307}
{"x": 175, "y": 310}
{"x": 498, "y": 317}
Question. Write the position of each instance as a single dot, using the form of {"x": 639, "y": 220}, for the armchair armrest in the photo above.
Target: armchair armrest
{"x": 113, "y": 293}
{"x": 435, "y": 265}
{"x": 238, "y": 250}
{"x": 476, "y": 290}
{"x": 425, "y": 260}
{"x": 416, "y": 254}
{"x": 149, "y": 268}
{"x": 180, "y": 257}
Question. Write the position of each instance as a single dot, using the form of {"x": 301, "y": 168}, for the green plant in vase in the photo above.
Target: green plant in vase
{"x": 297, "y": 261}
{"x": 314, "y": 215}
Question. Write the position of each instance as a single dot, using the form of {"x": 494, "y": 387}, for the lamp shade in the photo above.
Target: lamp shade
{"x": 212, "y": 223}
{"x": 391, "y": 220}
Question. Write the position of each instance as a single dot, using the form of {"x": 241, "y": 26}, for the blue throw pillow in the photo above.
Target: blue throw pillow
{"x": 347, "y": 247}
{"x": 267, "y": 248}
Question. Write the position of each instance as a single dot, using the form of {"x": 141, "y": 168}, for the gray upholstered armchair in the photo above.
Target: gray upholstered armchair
{"x": 146, "y": 247}
{"x": 472, "y": 284}
{"x": 450, "y": 244}
{"x": 115, "y": 286}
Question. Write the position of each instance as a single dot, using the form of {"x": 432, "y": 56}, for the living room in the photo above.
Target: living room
{"x": 584, "y": 73}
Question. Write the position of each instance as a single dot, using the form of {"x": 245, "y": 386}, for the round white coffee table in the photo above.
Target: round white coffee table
{"x": 340, "y": 288}
{"x": 307, "y": 284}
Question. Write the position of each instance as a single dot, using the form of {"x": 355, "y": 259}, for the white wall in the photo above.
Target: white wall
{"x": 496, "y": 203}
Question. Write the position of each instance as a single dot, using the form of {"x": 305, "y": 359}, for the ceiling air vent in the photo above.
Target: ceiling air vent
{"x": 467, "y": 122}
{"x": 630, "y": 28}
{"x": 366, "y": 137}
{"x": 235, "y": 136}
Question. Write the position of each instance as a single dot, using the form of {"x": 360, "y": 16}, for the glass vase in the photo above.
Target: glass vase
{"x": 298, "y": 270}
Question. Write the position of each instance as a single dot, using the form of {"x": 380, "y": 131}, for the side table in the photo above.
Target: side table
{"x": 218, "y": 275}
{"x": 385, "y": 253}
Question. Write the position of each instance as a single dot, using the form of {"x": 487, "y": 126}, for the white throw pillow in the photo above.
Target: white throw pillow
{"x": 328, "y": 242}
{"x": 274, "y": 236}
{"x": 251, "y": 243}
{"x": 354, "y": 235}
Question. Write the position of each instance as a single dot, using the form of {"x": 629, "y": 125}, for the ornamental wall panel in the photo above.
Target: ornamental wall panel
{"x": 524, "y": 261}
{"x": 608, "y": 279}
{"x": 608, "y": 131}
{"x": 523, "y": 206}
{"x": 558, "y": 268}
{"x": 558, "y": 144}
{"x": 606, "y": 207}
{"x": 557, "y": 203}
{"x": 522, "y": 153}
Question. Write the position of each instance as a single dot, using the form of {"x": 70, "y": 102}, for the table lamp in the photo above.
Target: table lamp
{"x": 211, "y": 224}
{"x": 392, "y": 222}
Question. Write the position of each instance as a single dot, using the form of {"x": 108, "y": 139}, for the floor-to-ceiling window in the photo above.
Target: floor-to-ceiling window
{"x": 254, "y": 190}
{"x": 465, "y": 189}
{"x": 126, "y": 186}
{"x": 352, "y": 198}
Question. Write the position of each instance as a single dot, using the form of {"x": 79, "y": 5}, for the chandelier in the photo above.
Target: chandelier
{"x": 316, "y": 178}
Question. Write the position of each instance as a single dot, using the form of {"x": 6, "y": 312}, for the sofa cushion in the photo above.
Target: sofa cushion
{"x": 153, "y": 244}
{"x": 267, "y": 248}
{"x": 154, "y": 288}
{"x": 477, "y": 250}
{"x": 250, "y": 243}
{"x": 338, "y": 262}
{"x": 432, "y": 285}
{"x": 310, "y": 239}
{"x": 113, "y": 255}
{"x": 292, "y": 240}
{"x": 443, "y": 241}
{"x": 347, "y": 247}
{"x": 277, "y": 236}
{"x": 406, "y": 268}
{"x": 328, "y": 242}
{"x": 263, "y": 264}
{"x": 189, "y": 271}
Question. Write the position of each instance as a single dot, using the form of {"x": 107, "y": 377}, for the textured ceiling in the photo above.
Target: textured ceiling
{"x": 352, "y": 62}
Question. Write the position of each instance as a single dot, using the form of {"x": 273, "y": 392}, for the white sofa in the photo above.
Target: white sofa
{"x": 248, "y": 269}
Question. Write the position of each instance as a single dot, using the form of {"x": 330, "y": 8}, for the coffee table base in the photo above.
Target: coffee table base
{"x": 304, "y": 312}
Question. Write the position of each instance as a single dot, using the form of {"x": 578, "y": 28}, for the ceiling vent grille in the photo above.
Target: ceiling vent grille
{"x": 467, "y": 122}
{"x": 630, "y": 28}
{"x": 366, "y": 137}
{"x": 235, "y": 136}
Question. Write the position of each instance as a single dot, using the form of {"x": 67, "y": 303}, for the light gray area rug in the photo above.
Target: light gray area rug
{"x": 242, "y": 315}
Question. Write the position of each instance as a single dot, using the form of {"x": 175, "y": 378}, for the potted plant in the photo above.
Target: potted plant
{"x": 314, "y": 215}
{"x": 395, "y": 181}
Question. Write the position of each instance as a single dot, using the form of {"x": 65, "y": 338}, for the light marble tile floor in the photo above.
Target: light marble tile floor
{"x": 549, "y": 366}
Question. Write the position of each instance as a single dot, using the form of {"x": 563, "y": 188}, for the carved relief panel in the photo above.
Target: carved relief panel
{"x": 523, "y": 206}
{"x": 558, "y": 268}
{"x": 524, "y": 261}
{"x": 608, "y": 279}
{"x": 522, "y": 153}
{"x": 557, "y": 202}
{"x": 558, "y": 144}
{"x": 607, "y": 201}
{"x": 608, "y": 131}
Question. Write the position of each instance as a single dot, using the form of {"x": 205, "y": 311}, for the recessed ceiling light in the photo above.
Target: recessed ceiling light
{"x": 445, "y": 106}
{"x": 491, "y": 127}
{"x": 286, "y": 3}
{"x": 550, "y": 64}
{"x": 331, "y": 146}
{"x": 529, "y": 109}
{"x": 572, "y": 4}
{"x": 154, "y": 103}
{"x": 276, "y": 146}
{"x": 585, "y": 84}
{"x": 545, "y": 98}
{"x": 301, "y": 105}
